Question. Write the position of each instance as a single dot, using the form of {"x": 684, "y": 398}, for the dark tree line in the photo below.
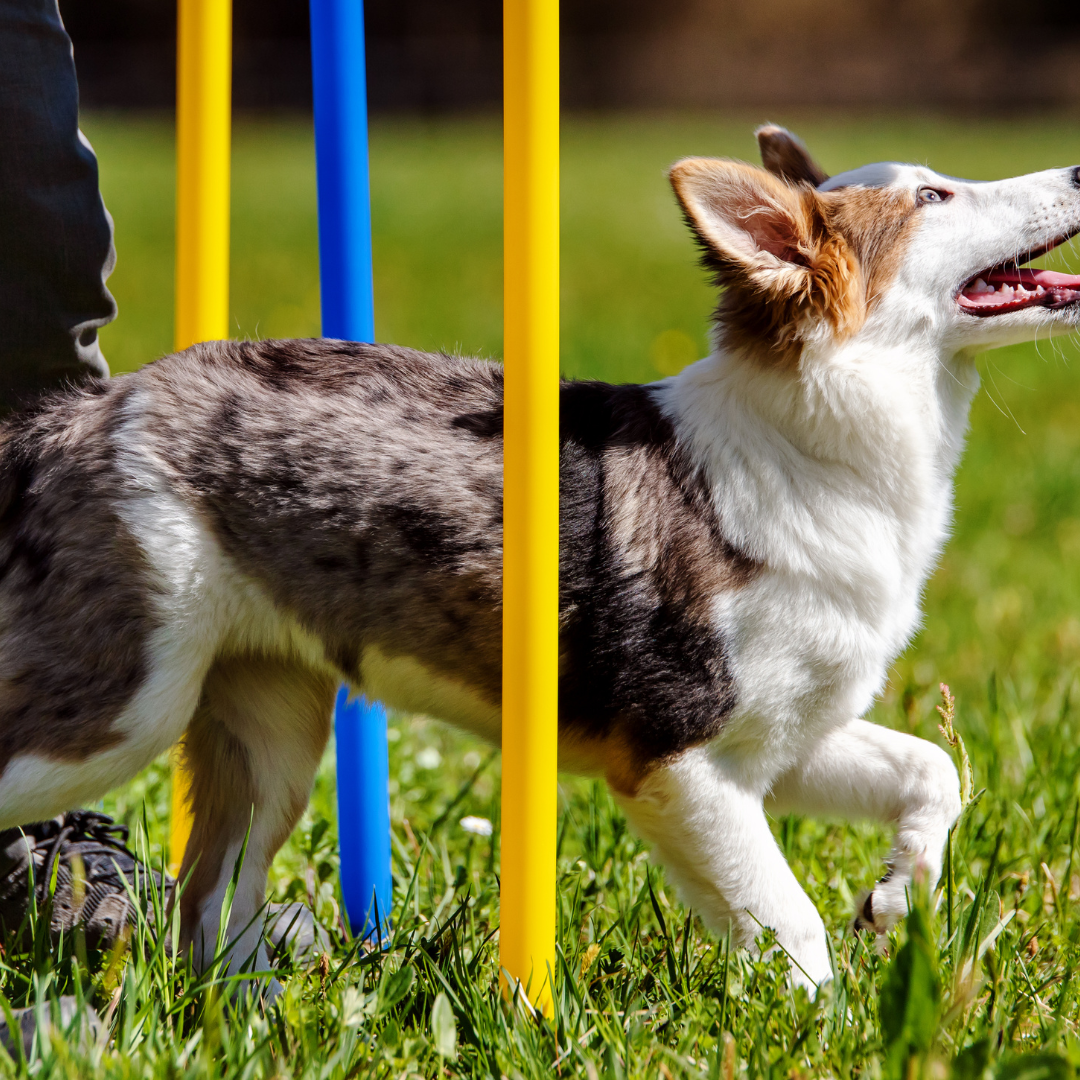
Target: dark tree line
{"x": 437, "y": 55}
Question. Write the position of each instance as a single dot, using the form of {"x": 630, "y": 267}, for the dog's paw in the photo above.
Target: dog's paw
{"x": 879, "y": 910}
{"x": 863, "y": 920}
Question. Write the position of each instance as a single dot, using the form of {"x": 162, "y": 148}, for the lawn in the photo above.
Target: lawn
{"x": 643, "y": 990}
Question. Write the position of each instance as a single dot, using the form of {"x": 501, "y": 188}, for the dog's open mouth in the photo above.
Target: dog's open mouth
{"x": 1007, "y": 287}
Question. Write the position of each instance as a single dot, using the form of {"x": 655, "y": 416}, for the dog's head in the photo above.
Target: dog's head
{"x": 889, "y": 251}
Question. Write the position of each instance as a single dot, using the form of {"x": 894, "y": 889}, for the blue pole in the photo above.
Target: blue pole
{"x": 348, "y": 312}
{"x": 363, "y": 812}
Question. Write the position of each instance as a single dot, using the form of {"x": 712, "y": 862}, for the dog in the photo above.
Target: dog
{"x": 203, "y": 550}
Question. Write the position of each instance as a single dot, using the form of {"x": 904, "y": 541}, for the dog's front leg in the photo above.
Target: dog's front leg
{"x": 708, "y": 827}
{"x": 861, "y": 770}
{"x": 252, "y": 751}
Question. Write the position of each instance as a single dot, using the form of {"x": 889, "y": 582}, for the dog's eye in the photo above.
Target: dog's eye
{"x": 929, "y": 195}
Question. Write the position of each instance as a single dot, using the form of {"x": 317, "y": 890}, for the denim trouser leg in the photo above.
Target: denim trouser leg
{"x": 56, "y": 245}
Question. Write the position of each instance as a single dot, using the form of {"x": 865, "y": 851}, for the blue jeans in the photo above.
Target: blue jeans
{"x": 56, "y": 244}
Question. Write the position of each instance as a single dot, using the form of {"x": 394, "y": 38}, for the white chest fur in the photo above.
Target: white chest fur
{"x": 837, "y": 479}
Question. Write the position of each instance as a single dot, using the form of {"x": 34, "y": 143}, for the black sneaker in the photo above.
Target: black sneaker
{"x": 101, "y": 903}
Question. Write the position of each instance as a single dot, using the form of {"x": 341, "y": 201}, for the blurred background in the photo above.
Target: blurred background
{"x": 436, "y": 55}
{"x": 974, "y": 89}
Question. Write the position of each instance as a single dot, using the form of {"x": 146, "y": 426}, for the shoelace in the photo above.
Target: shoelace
{"x": 88, "y": 825}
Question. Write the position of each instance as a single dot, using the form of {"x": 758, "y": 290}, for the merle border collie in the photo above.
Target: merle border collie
{"x": 202, "y": 551}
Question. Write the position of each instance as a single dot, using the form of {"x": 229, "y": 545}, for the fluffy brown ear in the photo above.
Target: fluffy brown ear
{"x": 751, "y": 226}
{"x": 770, "y": 245}
{"x": 784, "y": 155}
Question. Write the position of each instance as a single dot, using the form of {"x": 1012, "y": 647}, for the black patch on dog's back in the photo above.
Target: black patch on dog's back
{"x": 484, "y": 425}
{"x": 642, "y": 557}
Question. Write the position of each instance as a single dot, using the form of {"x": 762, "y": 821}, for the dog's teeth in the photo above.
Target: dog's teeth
{"x": 978, "y": 287}
{"x": 1039, "y": 290}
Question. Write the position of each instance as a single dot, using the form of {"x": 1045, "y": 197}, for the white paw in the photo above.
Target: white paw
{"x": 884, "y": 905}
{"x": 810, "y": 966}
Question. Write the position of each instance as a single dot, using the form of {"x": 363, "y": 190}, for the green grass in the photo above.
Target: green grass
{"x": 643, "y": 991}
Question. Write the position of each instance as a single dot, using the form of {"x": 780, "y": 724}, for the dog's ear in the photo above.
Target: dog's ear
{"x": 785, "y": 156}
{"x": 751, "y": 226}
{"x": 771, "y": 246}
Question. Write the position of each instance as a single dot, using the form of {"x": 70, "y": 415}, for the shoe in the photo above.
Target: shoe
{"x": 105, "y": 910}
{"x": 100, "y": 902}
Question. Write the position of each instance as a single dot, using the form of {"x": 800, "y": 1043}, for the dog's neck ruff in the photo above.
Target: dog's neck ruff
{"x": 846, "y": 461}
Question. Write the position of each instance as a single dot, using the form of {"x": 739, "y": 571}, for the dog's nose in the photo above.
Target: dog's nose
{"x": 1076, "y": 176}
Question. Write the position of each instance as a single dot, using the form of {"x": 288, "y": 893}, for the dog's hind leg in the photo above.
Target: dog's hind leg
{"x": 707, "y": 825}
{"x": 69, "y": 747}
{"x": 252, "y": 750}
{"x": 862, "y": 770}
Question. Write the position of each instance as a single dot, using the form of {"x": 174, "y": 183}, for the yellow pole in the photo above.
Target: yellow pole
{"x": 203, "y": 107}
{"x": 530, "y": 493}
{"x": 203, "y": 123}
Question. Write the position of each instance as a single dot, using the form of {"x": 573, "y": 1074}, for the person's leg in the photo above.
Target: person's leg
{"x": 863, "y": 770}
{"x": 56, "y": 245}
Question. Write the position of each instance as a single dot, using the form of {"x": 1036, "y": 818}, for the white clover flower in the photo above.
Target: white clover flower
{"x": 480, "y": 826}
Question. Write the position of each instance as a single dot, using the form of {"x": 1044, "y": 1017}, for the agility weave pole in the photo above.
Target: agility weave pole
{"x": 348, "y": 312}
{"x": 530, "y": 495}
{"x": 203, "y": 132}
{"x": 531, "y": 471}
{"x": 202, "y": 299}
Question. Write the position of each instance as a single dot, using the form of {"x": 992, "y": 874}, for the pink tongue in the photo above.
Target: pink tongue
{"x": 1046, "y": 278}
